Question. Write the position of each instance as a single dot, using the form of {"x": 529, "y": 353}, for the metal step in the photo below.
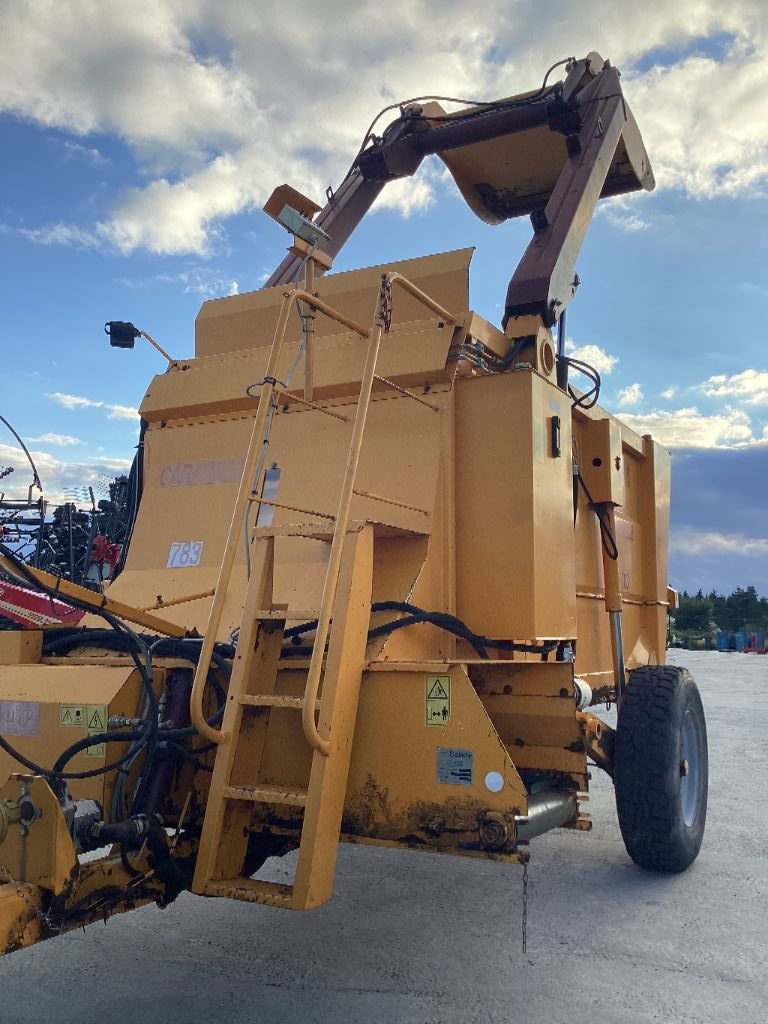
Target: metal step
{"x": 274, "y": 700}
{"x": 252, "y": 890}
{"x": 287, "y": 614}
{"x": 267, "y": 795}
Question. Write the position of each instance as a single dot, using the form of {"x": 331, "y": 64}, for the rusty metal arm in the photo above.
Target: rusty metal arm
{"x": 545, "y": 280}
{"x": 93, "y": 599}
{"x": 399, "y": 155}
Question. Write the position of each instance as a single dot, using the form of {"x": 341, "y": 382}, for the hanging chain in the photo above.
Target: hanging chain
{"x": 525, "y": 905}
{"x": 45, "y": 919}
{"x": 385, "y": 303}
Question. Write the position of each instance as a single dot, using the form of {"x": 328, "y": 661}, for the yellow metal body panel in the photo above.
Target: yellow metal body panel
{"x": 43, "y": 691}
{"x": 41, "y": 853}
{"x": 20, "y": 647}
{"x": 514, "y": 512}
{"x": 248, "y": 320}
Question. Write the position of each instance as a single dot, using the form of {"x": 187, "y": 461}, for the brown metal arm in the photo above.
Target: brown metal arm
{"x": 405, "y": 144}
{"x": 588, "y": 109}
{"x": 339, "y": 218}
{"x": 545, "y": 280}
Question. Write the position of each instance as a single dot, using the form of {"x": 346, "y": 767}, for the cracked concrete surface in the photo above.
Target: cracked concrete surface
{"x": 424, "y": 939}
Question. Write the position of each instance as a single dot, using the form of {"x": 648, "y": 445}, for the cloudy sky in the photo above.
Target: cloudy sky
{"x": 141, "y": 138}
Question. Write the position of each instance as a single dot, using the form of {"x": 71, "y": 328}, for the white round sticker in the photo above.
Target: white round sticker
{"x": 494, "y": 781}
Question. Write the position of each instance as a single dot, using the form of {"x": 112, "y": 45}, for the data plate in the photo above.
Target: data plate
{"x": 455, "y": 767}
{"x": 19, "y": 718}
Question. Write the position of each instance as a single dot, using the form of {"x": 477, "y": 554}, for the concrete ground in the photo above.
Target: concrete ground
{"x": 420, "y": 938}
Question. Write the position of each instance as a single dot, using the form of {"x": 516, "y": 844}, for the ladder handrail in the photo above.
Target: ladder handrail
{"x": 309, "y": 724}
{"x": 379, "y": 326}
{"x": 233, "y": 538}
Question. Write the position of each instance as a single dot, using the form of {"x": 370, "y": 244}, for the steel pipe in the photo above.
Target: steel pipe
{"x": 547, "y": 810}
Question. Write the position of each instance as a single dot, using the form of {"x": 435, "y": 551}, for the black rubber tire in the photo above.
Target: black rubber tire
{"x": 661, "y": 803}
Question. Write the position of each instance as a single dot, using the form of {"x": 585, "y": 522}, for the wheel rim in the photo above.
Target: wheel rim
{"x": 690, "y": 769}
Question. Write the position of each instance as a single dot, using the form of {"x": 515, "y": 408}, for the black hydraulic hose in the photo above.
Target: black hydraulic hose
{"x": 35, "y": 477}
{"x": 414, "y": 616}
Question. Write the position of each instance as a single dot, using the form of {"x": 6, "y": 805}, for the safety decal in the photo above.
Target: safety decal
{"x": 437, "y": 700}
{"x": 71, "y": 715}
{"x": 95, "y": 722}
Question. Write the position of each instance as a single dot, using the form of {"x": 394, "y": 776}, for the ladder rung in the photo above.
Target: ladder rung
{"x": 289, "y": 616}
{"x": 267, "y": 795}
{"x": 253, "y": 890}
{"x": 274, "y": 700}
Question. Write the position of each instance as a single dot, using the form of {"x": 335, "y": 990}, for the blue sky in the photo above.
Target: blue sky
{"x": 140, "y": 141}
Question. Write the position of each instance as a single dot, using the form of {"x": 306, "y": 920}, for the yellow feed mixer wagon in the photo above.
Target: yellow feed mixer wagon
{"x": 385, "y": 561}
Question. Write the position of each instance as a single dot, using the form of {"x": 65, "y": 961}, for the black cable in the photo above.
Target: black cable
{"x": 415, "y": 616}
{"x": 607, "y": 538}
{"x": 590, "y": 397}
{"x": 35, "y": 477}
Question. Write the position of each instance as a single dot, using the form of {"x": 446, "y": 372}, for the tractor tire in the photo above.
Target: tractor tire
{"x": 661, "y": 768}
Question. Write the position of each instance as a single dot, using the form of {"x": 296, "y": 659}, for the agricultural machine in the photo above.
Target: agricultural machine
{"x": 387, "y": 564}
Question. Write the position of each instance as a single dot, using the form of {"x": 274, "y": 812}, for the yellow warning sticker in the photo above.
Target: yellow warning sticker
{"x": 437, "y": 700}
{"x": 71, "y": 714}
{"x": 95, "y": 722}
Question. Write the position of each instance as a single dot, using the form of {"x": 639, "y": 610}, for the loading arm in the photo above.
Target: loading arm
{"x": 597, "y": 151}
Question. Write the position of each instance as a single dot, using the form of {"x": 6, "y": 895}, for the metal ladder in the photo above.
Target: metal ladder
{"x": 343, "y": 621}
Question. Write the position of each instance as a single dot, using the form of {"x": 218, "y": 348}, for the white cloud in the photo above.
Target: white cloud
{"x": 73, "y": 150}
{"x": 602, "y": 361}
{"x": 114, "y": 412}
{"x": 62, "y": 234}
{"x": 630, "y": 395}
{"x": 749, "y": 385}
{"x": 121, "y": 412}
{"x": 219, "y": 102}
{"x": 73, "y": 401}
{"x": 690, "y": 541}
{"x": 56, "y": 474}
{"x": 689, "y": 428}
{"x": 669, "y": 392}
{"x": 60, "y": 440}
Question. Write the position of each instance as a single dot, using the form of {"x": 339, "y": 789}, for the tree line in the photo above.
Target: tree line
{"x": 742, "y": 611}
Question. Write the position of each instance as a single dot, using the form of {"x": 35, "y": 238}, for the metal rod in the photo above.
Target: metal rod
{"x": 93, "y": 599}
{"x": 389, "y": 501}
{"x": 233, "y": 539}
{"x": 314, "y": 738}
{"x": 289, "y": 508}
{"x": 617, "y": 649}
{"x": 423, "y": 298}
{"x": 613, "y": 602}
{"x": 311, "y": 405}
{"x": 178, "y": 600}
{"x": 309, "y": 332}
{"x": 403, "y": 391}
{"x": 330, "y": 312}
{"x": 562, "y": 365}
{"x": 160, "y": 349}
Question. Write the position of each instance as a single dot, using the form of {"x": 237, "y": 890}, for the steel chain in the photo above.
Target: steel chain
{"x": 385, "y": 303}
{"x": 44, "y": 918}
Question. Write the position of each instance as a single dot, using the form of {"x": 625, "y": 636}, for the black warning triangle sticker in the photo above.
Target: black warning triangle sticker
{"x": 96, "y": 719}
{"x": 437, "y": 691}
{"x": 67, "y": 717}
